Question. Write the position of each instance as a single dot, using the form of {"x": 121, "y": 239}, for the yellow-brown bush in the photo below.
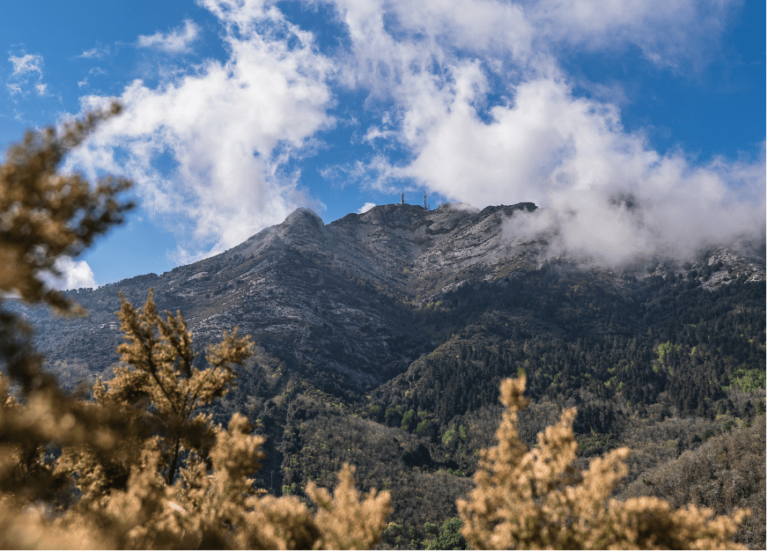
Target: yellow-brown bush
{"x": 526, "y": 499}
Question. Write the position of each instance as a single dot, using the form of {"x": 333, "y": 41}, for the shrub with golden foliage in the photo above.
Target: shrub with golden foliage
{"x": 45, "y": 214}
{"x": 526, "y": 499}
{"x": 160, "y": 393}
{"x": 165, "y": 476}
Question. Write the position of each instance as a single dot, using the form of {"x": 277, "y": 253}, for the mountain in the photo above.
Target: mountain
{"x": 333, "y": 300}
{"x": 383, "y": 338}
{"x": 337, "y": 300}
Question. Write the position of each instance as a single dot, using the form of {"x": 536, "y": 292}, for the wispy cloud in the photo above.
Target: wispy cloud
{"x": 669, "y": 34}
{"x": 27, "y": 63}
{"x": 375, "y": 132}
{"x": 366, "y": 207}
{"x": 94, "y": 71}
{"x": 27, "y": 72}
{"x": 174, "y": 42}
{"x": 97, "y": 52}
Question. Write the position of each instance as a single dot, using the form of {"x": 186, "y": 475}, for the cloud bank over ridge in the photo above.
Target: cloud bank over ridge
{"x": 476, "y": 97}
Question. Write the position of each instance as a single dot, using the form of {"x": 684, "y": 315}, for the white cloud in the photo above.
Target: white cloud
{"x": 26, "y": 68}
{"x": 93, "y": 71}
{"x": 375, "y": 132}
{"x": 228, "y": 129}
{"x": 572, "y": 156}
{"x": 175, "y": 42}
{"x": 97, "y": 52}
{"x": 73, "y": 275}
{"x": 27, "y": 63}
{"x": 668, "y": 33}
{"x": 396, "y": 37}
{"x": 366, "y": 207}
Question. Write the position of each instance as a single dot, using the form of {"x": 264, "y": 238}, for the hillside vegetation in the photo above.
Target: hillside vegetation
{"x": 380, "y": 342}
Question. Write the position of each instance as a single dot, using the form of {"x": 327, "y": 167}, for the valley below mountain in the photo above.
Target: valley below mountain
{"x": 382, "y": 339}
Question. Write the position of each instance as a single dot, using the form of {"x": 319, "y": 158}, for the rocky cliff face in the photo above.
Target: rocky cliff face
{"x": 335, "y": 303}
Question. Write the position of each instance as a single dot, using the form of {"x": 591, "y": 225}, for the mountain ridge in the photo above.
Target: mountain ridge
{"x": 341, "y": 295}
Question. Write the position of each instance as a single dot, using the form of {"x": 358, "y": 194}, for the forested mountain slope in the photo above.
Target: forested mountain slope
{"x": 384, "y": 336}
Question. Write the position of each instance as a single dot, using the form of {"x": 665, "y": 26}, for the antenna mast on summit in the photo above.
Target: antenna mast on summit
{"x": 402, "y": 198}
{"x": 425, "y": 201}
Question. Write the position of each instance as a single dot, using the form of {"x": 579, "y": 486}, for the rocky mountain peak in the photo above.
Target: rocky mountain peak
{"x": 302, "y": 217}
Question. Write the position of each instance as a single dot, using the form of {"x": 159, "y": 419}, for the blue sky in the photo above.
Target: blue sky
{"x": 237, "y": 112}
